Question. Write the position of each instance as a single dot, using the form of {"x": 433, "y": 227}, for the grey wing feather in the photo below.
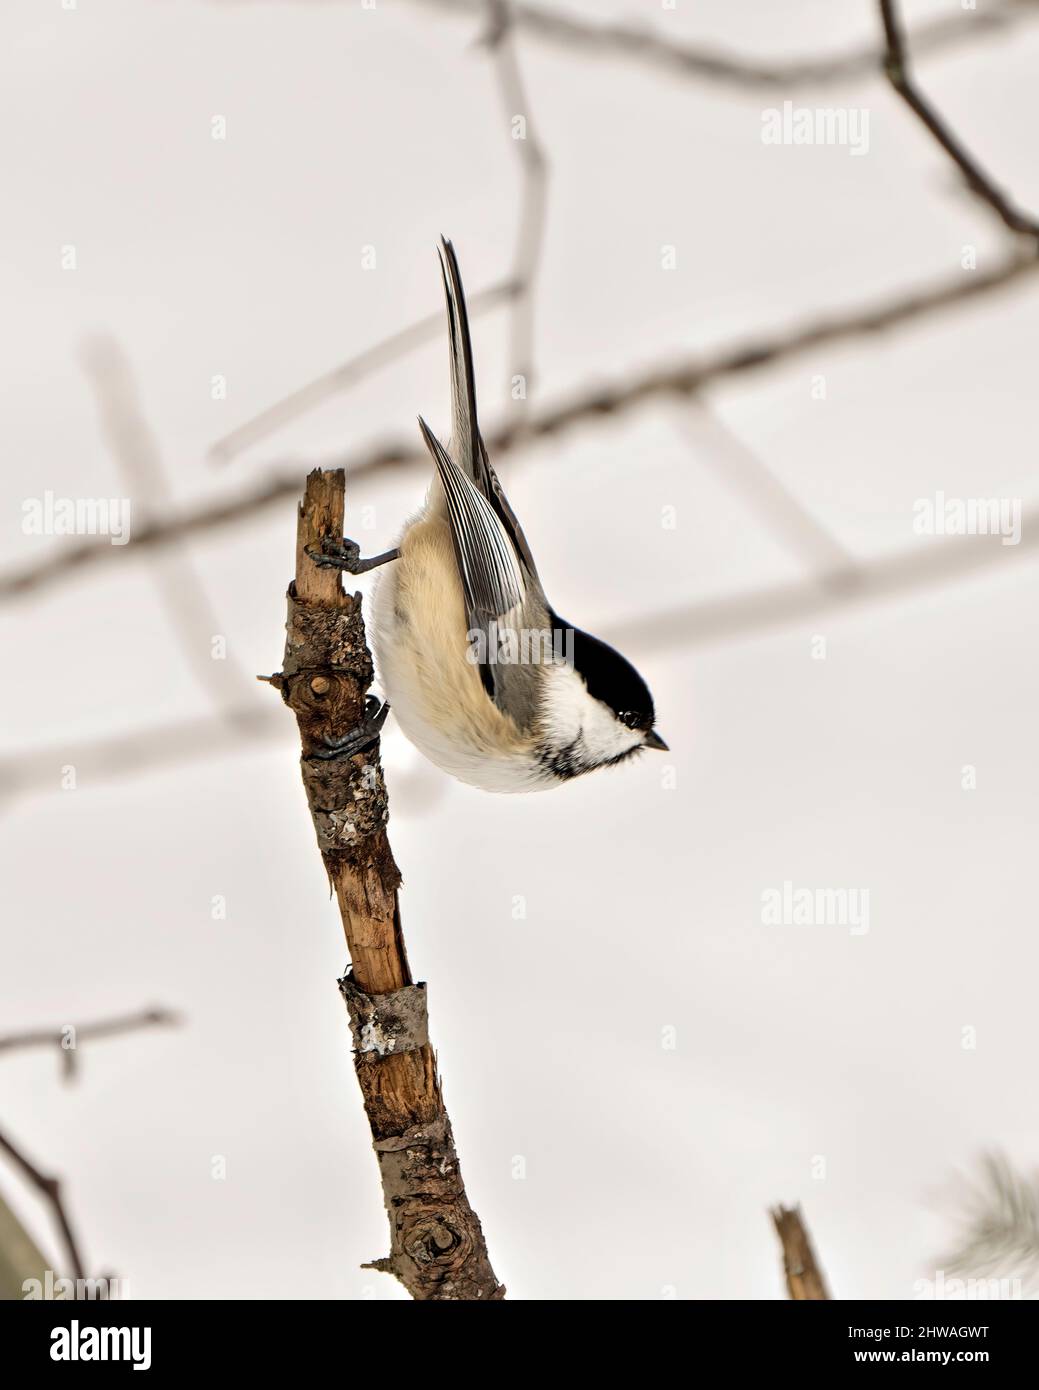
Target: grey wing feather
{"x": 492, "y": 578}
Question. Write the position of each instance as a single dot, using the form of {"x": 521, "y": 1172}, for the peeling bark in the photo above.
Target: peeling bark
{"x": 437, "y": 1248}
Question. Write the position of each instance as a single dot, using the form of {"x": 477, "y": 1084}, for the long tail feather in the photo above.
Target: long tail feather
{"x": 466, "y": 446}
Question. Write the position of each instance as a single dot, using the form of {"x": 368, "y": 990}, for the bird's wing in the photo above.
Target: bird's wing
{"x": 467, "y": 447}
{"x": 491, "y": 574}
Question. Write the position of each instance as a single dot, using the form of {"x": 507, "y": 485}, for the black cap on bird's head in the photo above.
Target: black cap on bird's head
{"x": 613, "y": 680}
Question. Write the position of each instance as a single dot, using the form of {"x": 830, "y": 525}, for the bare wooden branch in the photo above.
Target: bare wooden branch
{"x": 896, "y": 66}
{"x": 804, "y": 1278}
{"x": 51, "y": 1188}
{"x": 628, "y": 392}
{"x": 437, "y": 1248}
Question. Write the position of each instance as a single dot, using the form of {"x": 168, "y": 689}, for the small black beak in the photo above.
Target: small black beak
{"x": 653, "y": 740}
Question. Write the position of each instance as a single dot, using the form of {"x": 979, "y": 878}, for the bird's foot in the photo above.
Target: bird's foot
{"x": 346, "y": 555}
{"x": 363, "y": 736}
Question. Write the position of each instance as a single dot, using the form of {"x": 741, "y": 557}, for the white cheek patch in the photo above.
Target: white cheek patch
{"x": 569, "y": 713}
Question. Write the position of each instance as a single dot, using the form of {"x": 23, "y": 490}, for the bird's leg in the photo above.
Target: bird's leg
{"x": 346, "y": 555}
{"x": 357, "y": 740}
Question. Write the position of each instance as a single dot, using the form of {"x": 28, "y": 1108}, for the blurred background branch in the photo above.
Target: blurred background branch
{"x": 979, "y": 181}
{"x": 20, "y": 1256}
{"x": 530, "y": 233}
{"x": 633, "y": 390}
{"x": 351, "y": 373}
{"x": 647, "y": 47}
{"x": 136, "y": 452}
{"x": 51, "y": 1189}
{"x": 841, "y": 584}
{"x": 67, "y": 1038}
{"x": 804, "y": 1277}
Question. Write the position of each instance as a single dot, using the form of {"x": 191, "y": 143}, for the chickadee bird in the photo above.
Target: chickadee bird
{"x": 483, "y": 675}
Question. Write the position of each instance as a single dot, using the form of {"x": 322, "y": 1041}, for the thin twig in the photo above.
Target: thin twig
{"x": 518, "y": 290}
{"x": 51, "y": 1189}
{"x": 136, "y": 451}
{"x": 350, "y": 373}
{"x": 804, "y": 1278}
{"x": 630, "y": 391}
{"x": 87, "y": 1032}
{"x": 915, "y": 569}
{"x": 899, "y": 74}
{"x": 738, "y": 467}
{"x": 534, "y": 165}
{"x": 160, "y": 745}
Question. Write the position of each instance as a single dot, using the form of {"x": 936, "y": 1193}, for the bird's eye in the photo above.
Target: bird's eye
{"x": 630, "y": 718}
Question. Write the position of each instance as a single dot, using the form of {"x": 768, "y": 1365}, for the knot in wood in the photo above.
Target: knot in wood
{"x": 435, "y": 1241}
{"x": 324, "y": 702}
